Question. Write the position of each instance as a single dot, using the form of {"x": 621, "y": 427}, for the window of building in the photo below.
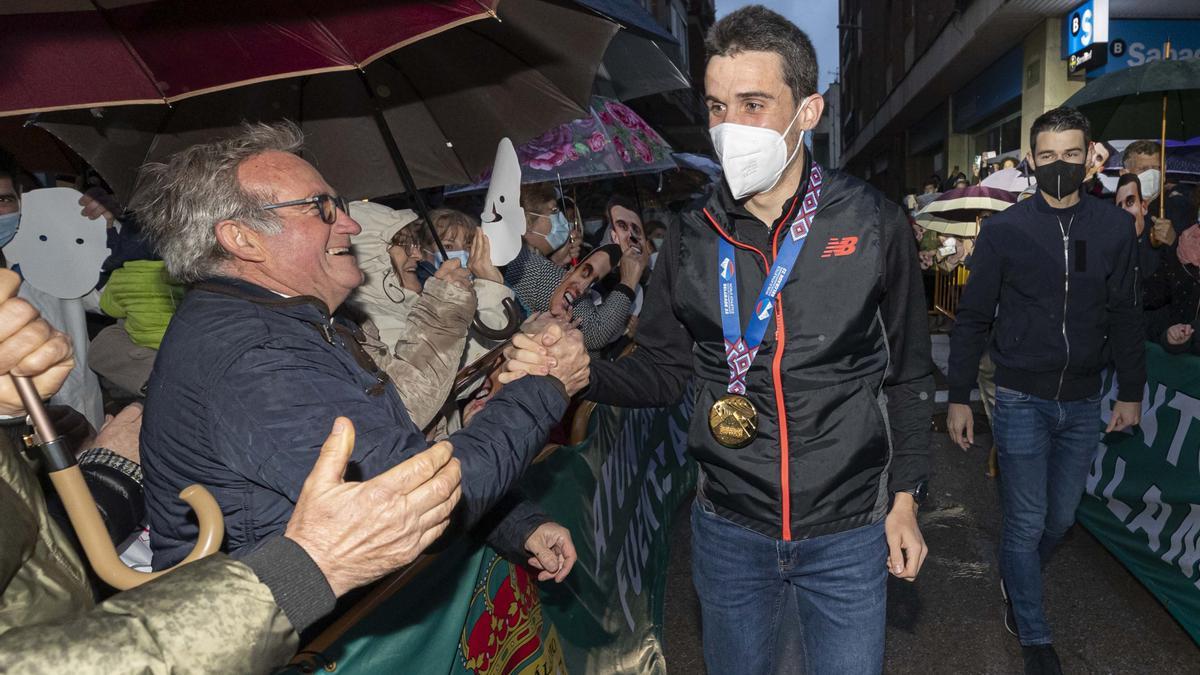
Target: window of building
{"x": 679, "y": 32}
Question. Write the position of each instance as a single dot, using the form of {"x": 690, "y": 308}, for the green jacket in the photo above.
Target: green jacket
{"x": 215, "y": 615}
{"x": 141, "y": 293}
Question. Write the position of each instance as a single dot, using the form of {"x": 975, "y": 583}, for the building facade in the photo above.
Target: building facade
{"x": 944, "y": 86}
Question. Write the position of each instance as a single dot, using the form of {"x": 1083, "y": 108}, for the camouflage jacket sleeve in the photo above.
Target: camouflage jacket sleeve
{"x": 211, "y": 616}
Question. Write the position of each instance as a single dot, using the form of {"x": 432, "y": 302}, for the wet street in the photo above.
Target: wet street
{"x": 950, "y": 620}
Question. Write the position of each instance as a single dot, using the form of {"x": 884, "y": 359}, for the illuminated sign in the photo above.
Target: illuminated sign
{"x": 1087, "y": 36}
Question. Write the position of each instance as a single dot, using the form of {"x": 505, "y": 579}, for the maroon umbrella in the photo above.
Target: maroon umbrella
{"x": 87, "y": 53}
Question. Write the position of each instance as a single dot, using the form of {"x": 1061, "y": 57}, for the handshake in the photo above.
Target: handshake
{"x": 548, "y": 346}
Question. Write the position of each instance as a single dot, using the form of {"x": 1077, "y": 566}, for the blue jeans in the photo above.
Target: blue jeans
{"x": 1045, "y": 450}
{"x": 839, "y": 584}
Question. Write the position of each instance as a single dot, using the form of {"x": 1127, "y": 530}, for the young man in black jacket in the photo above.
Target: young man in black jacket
{"x": 1055, "y": 279}
{"x": 813, "y": 449}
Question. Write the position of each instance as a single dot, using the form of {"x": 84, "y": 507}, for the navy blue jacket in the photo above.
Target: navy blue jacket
{"x": 1060, "y": 307}
{"x": 244, "y": 391}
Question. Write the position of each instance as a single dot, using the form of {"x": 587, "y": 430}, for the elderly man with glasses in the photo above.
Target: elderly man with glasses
{"x": 257, "y": 360}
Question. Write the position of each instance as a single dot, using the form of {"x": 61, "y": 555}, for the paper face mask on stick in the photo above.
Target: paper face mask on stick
{"x": 503, "y": 219}
{"x": 59, "y": 250}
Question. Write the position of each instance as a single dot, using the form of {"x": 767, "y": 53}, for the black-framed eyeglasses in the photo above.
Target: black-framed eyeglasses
{"x": 327, "y": 205}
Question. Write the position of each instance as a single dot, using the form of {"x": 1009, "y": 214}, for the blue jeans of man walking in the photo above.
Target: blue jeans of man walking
{"x": 839, "y": 587}
{"x": 1045, "y": 450}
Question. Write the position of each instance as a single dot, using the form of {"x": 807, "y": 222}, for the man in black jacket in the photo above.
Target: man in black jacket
{"x": 812, "y": 437}
{"x": 1055, "y": 279}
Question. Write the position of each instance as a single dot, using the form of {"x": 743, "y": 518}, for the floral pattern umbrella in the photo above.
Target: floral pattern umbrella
{"x": 612, "y": 141}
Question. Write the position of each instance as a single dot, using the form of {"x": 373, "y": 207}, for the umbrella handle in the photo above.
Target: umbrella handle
{"x": 514, "y": 323}
{"x": 85, "y": 516}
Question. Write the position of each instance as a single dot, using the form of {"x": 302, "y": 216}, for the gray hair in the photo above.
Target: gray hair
{"x": 179, "y": 203}
{"x": 755, "y": 28}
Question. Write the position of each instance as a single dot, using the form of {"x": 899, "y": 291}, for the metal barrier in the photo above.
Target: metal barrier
{"x": 948, "y": 288}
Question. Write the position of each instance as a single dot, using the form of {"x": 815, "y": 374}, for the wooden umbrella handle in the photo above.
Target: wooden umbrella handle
{"x": 1162, "y": 156}
{"x": 85, "y": 516}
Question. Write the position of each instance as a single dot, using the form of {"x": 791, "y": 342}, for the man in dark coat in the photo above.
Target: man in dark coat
{"x": 257, "y": 361}
{"x": 1054, "y": 282}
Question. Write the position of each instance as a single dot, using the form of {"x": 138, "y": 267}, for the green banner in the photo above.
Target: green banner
{"x": 472, "y": 611}
{"x": 1143, "y": 493}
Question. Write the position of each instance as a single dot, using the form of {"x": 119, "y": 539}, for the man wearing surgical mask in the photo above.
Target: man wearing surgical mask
{"x": 813, "y": 449}
{"x": 10, "y": 210}
{"x": 1143, "y": 159}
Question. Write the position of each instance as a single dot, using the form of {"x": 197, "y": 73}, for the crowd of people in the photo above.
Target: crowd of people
{"x": 1166, "y": 217}
{"x": 301, "y": 355}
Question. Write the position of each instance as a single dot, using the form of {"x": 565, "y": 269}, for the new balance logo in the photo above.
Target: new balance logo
{"x": 840, "y": 246}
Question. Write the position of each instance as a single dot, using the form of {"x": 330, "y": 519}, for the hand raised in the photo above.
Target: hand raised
{"x": 358, "y": 532}
{"x": 452, "y": 272}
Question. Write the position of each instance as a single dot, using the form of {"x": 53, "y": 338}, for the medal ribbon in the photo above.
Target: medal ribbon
{"x": 740, "y": 349}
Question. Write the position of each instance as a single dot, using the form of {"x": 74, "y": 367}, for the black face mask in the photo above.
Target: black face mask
{"x": 1059, "y": 178}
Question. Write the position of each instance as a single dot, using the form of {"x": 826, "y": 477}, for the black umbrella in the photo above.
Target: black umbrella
{"x": 446, "y": 99}
{"x": 1158, "y": 99}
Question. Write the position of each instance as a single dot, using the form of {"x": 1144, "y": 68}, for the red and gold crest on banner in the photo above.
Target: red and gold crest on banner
{"x": 503, "y": 632}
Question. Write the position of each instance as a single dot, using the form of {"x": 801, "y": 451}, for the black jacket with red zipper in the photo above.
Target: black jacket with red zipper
{"x": 846, "y": 359}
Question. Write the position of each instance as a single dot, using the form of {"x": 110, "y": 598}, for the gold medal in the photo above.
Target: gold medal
{"x": 733, "y": 421}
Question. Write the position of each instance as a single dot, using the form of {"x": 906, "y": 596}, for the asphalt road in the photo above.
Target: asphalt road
{"x": 949, "y": 621}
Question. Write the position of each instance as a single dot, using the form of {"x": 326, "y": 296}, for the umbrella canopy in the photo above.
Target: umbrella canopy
{"x": 447, "y": 100}
{"x": 948, "y": 226}
{"x": 84, "y": 53}
{"x": 955, "y": 211}
{"x": 635, "y": 66}
{"x": 611, "y": 141}
{"x": 1128, "y": 103}
{"x": 1009, "y": 180}
{"x": 36, "y": 149}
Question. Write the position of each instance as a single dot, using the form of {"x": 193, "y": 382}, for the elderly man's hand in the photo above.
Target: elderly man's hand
{"x": 359, "y": 532}
{"x": 529, "y": 353}
{"x": 572, "y": 364}
{"x": 122, "y": 434}
{"x": 548, "y": 346}
{"x": 28, "y": 346}
{"x": 551, "y": 552}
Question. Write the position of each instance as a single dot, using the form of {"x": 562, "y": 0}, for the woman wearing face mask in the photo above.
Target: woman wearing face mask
{"x": 547, "y": 229}
{"x": 465, "y": 241}
{"x": 422, "y": 329}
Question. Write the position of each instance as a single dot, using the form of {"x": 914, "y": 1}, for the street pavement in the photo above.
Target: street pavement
{"x": 950, "y": 620}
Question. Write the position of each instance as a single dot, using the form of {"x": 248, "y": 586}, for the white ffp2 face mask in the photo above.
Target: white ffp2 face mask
{"x": 1150, "y": 181}
{"x": 754, "y": 158}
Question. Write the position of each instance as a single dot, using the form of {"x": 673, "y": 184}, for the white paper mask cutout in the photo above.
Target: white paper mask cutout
{"x": 503, "y": 218}
{"x": 59, "y": 250}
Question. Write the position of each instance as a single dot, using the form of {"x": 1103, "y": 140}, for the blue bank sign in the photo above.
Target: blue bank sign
{"x": 1087, "y": 36}
{"x": 1135, "y": 42}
